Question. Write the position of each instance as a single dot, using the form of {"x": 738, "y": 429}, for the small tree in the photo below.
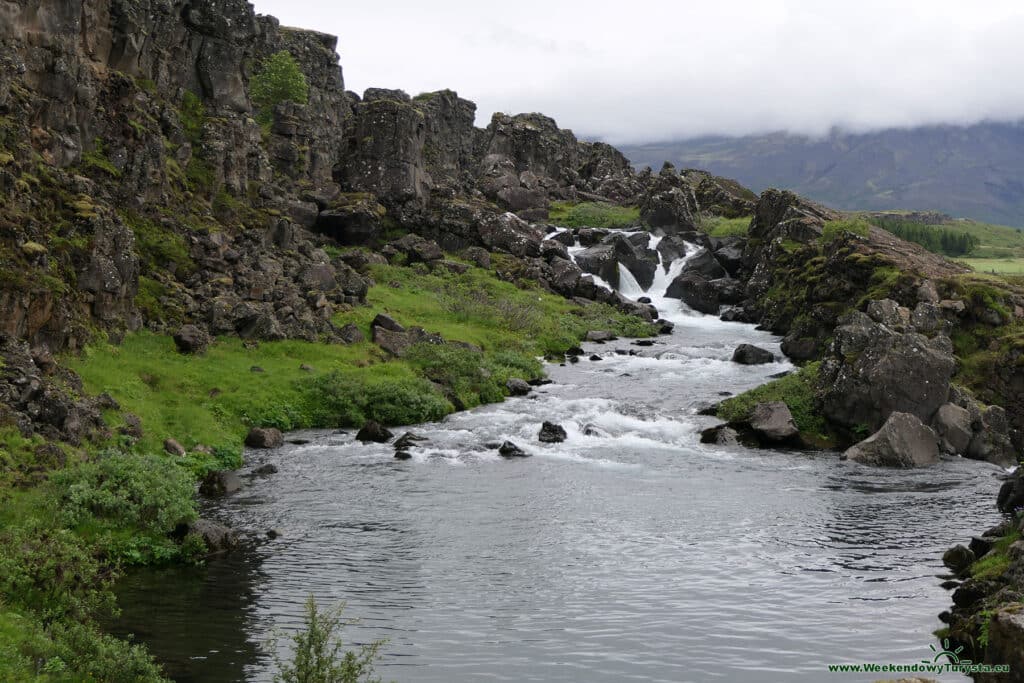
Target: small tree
{"x": 319, "y": 655}
{"x": 279, "y": 79}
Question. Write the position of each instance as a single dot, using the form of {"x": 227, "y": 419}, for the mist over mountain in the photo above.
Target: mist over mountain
{"x": 974, "y": 171}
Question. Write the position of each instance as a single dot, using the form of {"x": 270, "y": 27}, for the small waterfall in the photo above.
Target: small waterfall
{"x": 628, "y": 285}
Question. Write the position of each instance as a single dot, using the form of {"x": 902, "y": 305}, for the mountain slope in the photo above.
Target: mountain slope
{"x": 974, "y": 171}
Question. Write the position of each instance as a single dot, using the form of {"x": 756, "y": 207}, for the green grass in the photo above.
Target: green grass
{"x": 213, "y": 399}
{"x": 796, "y": 390}
{"x": 719, "y": 226}
{"x": 837, "y": 228}
{"x": 593, "y": 215}
{"x": 996, "y": 266}
{"x": 996, "y": 561}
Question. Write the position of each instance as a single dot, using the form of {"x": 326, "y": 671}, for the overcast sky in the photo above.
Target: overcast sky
{"x": 644, "y": 70}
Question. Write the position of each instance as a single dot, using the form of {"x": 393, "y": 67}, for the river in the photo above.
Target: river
{"x": 630, "y": 552}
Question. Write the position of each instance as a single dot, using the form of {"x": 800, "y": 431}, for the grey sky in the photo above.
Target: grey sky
{"x": 642, "y": 70}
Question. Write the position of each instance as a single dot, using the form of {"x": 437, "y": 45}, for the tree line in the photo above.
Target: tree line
{"x": 934, "y": 238}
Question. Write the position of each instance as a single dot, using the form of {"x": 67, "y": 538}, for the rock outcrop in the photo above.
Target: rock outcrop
{"x": 873, "y": 370}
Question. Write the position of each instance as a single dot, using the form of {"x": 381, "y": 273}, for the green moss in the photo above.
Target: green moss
{"x": 192, "y": 115}
{"x": 159, "y": 247}
{"x": 833, "y": 230}
{"x": 593, "y": 215}
{"x": 996, "y": 561}
{"x": 796, "y": 390}
{"x": 96, "y": 160}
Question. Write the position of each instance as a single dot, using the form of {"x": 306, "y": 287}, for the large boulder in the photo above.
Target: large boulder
{"x": 748, "y": 354}
{"x": 872, "y": 371}
{"x": 215, "y": 535}
{"x": 552, "y": 433}
{"x": 264, "y": 437}
{"x": 1006, "y": 642}
{"x": 953, "y": 425}
{"x": 773, "y": 422}
{"x": 373, "y": 432}
{"x": 903, "y": 441}
{"x": 671, "y": 248}
{"x": 191, "y": 339}
{"x": 508, "y": 233}
{"x": 220, "y": 483}
{"x": 705, "y": 264}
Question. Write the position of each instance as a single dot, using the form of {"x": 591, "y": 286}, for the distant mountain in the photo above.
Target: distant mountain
{"x": 967, "y": 171}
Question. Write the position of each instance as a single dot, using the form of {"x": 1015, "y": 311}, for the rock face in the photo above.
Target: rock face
{"x": 903, "y": 441}
{"x": 872, "y": 371}
{"x": 1005, "y": 641}
{"x": 669, "y": 203}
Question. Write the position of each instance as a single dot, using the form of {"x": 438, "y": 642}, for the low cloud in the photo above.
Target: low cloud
{"x": 655, "y": 69}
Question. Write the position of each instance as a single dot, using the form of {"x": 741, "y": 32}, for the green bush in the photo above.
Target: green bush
{"x": 51, "y": 573}
{"x": 347, "y": 398}
{"x": 95, "y": 656}
{"x": 279, "y": 80}
{"x": 148, "y": 492}
{"x": 320, "y": 656}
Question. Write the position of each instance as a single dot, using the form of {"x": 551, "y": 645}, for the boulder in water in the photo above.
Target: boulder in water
{"x": 773, "y": 422}
{"x": 518, "y": 387}
{"x": 552, "y": 433}
{"x": 600, "y": 336}
{"x": 408, "y": 440}
{"x": 264, "y": 437}
{"x": 373, "y": 432}
{"x": 903, "y": 441}
{"x": 220, "y": 483}
{"x": 510, "y": 450}
{"x": 748, "y": 354}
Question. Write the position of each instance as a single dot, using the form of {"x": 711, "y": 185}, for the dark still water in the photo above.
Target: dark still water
{"x": 631, "y": 554}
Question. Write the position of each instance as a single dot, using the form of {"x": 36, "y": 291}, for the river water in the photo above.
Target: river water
{"x": 630, "y": 552}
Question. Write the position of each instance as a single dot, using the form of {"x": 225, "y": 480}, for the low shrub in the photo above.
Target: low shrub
{"x": 320, "y": 655}
{"x": 147, "y": 492}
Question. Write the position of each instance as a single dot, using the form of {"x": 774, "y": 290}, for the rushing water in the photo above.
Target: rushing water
{"x": 629, "y": 552}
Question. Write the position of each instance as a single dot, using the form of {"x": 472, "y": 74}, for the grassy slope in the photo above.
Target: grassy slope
{"x": 213, "y": 399}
